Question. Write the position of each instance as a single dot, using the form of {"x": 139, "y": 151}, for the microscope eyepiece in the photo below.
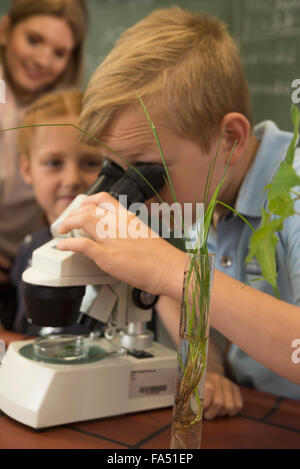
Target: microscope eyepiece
{"x": 109, "y": 174}
{"x": 138, "y": 182}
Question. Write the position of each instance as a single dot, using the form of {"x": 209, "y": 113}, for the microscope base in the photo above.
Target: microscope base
{"x": 42, "y": 395}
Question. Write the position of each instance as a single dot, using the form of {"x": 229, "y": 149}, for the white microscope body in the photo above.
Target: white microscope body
{"x": 41, "y": 394}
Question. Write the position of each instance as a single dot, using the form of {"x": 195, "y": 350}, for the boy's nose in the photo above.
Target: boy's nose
{"x": 72, "y": 177}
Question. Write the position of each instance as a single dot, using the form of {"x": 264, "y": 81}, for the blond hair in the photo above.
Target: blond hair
{"x": 75, "y": 13}
{"x": 50, "y": 106}
{"x": 185, "y": 66}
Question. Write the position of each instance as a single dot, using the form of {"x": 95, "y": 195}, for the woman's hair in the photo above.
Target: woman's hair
{"x": 50, "y": 106}
{"x": 185, "y": 66}
{"x": 75, "y": 13}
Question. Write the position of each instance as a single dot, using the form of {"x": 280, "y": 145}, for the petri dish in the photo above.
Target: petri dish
{"x": 61, "y": 347}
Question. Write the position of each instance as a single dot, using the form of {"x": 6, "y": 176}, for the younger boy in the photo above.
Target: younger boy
{"x": 58, "y": 167}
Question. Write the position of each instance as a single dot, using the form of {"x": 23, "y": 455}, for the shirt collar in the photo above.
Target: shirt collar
{"x": 272, "y": 150}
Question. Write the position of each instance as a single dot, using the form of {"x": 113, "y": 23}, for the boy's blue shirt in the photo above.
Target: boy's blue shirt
{"x": 230, "y": 243}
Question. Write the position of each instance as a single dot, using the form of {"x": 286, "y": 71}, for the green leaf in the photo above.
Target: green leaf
{"x": 264, "y": 250}
{"x": 263, "y": 247}
{"x": 285, "y": 179}
{"x": 283, "y": 206}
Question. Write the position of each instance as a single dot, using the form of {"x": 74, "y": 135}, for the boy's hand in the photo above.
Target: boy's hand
{"x": 222, "y": 397}
{"x": 149, "y": 263}
{"x": 5, "y": 266}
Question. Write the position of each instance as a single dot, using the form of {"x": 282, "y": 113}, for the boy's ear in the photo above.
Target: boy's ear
{"x": 236, "y": 128}
{"x": 4, "y": 29}
{"x": 25, "y": 169}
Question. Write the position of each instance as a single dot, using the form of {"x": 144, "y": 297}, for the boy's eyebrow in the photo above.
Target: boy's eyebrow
{"x": 91, "y": 153}
{"x": 106, "y": 153}
{"x": 29, "y": 30}
{"x": 60, "y": 154}
{"x": 53, "y": 154}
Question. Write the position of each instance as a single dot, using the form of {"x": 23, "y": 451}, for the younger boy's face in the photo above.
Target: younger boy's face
{"x": 132, "y": 138}
{"x": 59, "y": 166}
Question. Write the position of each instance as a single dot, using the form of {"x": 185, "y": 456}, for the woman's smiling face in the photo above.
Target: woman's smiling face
{"x": 37, "y": 51}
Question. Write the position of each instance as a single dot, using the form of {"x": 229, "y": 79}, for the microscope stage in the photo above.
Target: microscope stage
{"x": 41, "y": 394}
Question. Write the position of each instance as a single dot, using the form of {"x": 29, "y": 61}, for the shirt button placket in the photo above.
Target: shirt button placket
{"x": 226, "y": 261}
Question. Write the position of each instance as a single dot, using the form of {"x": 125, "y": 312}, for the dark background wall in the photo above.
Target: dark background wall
{"x": 268, "y": 32}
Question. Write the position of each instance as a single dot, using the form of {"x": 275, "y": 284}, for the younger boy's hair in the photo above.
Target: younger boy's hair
{"x": 185, "y": 66}
{"x": 50, "y": 106}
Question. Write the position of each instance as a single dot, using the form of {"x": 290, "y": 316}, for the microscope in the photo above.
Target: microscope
{"x": 59, "y": 378}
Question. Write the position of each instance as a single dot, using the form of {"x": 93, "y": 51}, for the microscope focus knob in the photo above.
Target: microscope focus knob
{"x": 143, "y": 299}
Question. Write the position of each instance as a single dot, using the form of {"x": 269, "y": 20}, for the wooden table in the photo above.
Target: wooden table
{"x": 266, "y": 421}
